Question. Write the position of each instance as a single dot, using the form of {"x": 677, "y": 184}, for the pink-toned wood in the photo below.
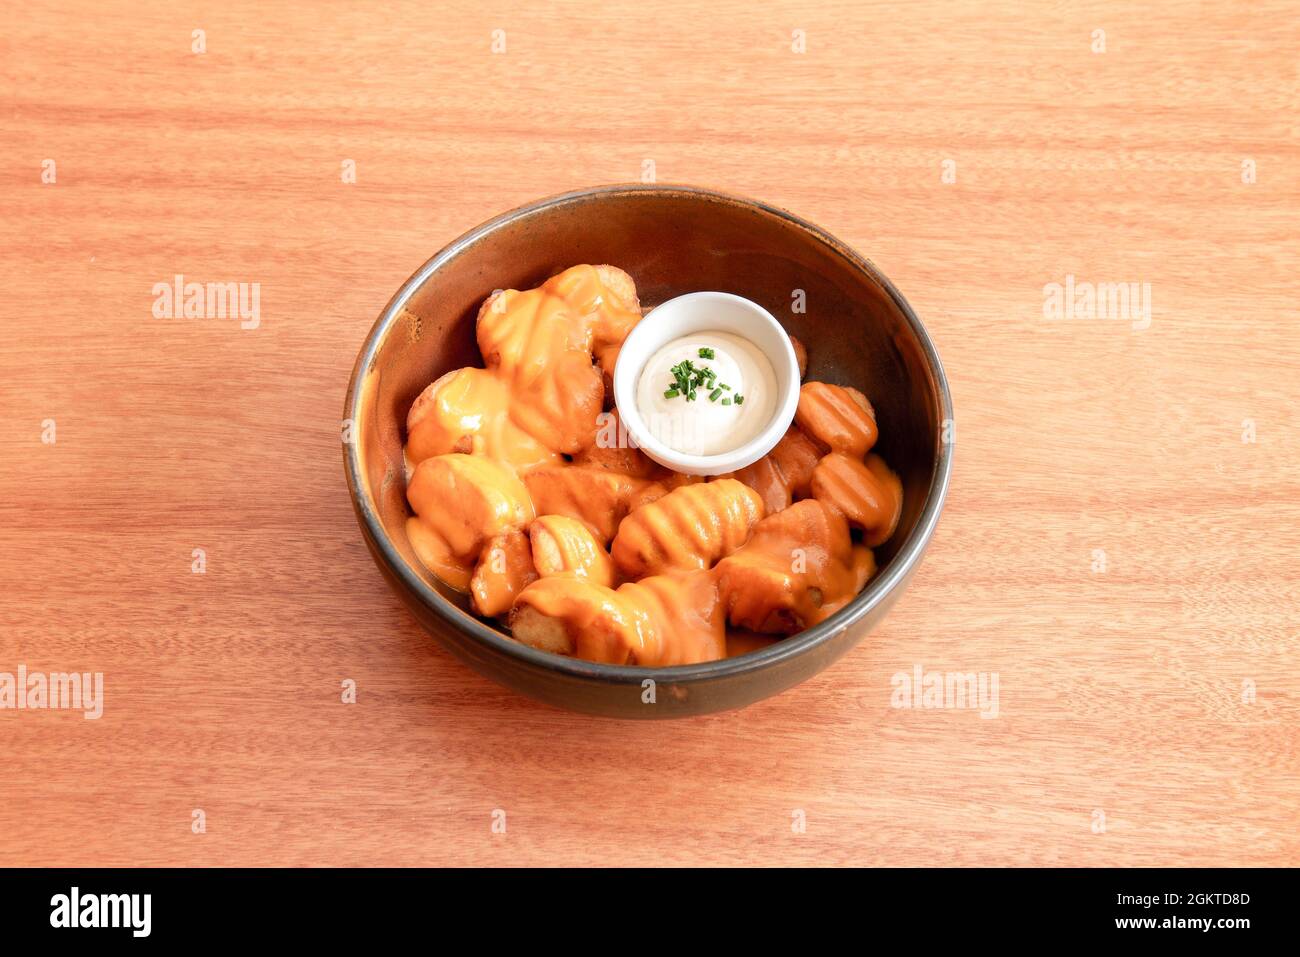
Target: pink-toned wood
{"x": 1120, "y": 692}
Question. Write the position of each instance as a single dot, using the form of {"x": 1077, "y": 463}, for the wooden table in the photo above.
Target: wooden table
{"x": 1148, "y": 712}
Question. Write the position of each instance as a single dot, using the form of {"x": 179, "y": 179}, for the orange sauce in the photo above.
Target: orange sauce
{"x": 505, "y": 568}
{"x": 689, "y": 528}
{"x": 798, "y": 568}
{"x": 527, "y": 496}
{"x": 658, "y": 621}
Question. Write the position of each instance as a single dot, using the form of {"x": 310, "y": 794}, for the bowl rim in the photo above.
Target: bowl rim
{"x": 877, "y": 590}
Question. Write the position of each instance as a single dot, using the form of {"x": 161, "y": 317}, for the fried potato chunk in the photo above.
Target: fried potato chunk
{"x": 504, "y": 569}
{"x": 564, "y": 546}
{"x": 559, "y": 409}
{"x": 798, "y": 568}
{"x": 468, "y": 410}
{"x": 541, "y": 349}
{"x": 868, "y": 494}
{"x": 599, "y": 498}
{"x": 605, "y": 296}
{"x": 681, "y": 619}
{"x": 586, "y": 308}
{"x": 461, "y": 501}
{"x": 540, "y": 394}
{"x": 663, "y": 482}
{"x": 659, "y": 621}
{"x": 795, "y": 457}
{"x": 837, "y": 417}
{"x": 689, "y": 528}
{"x": 575, "y": 617}
{"x": 765, "y": 478}
{"x": 783, "y": 474}
{"x": 520, "y": 332}
{"x": 614, "y": 450}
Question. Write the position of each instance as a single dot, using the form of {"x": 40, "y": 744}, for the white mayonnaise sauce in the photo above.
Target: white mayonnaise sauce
{"x": 717, "y": 419}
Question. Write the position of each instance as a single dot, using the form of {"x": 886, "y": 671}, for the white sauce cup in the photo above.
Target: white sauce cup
{"x": 698, "y": 312}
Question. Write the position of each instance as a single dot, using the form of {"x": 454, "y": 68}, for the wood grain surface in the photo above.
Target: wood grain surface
{"x": 1120, "y": 545}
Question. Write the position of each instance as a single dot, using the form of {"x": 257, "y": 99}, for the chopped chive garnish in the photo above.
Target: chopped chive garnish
{"x": 688, "y": 377}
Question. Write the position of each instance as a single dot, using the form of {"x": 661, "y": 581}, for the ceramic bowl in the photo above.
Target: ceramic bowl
{"x": 857, "y": 328}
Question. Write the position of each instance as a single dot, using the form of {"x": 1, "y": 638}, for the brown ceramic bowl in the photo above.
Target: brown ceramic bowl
{"x": 858, "y": 330}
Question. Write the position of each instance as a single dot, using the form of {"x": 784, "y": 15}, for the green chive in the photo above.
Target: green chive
{"x": 740, "y": 400}
{"x": 725, "y": 386}
{"x": 726, "y": 402}
{"x": 713, "y": 396}
{"x": 671, "y": 394}
{"x": 706, "y": 353}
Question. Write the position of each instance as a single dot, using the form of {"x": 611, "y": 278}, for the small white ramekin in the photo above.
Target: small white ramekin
{"x": 706, "y": 312}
